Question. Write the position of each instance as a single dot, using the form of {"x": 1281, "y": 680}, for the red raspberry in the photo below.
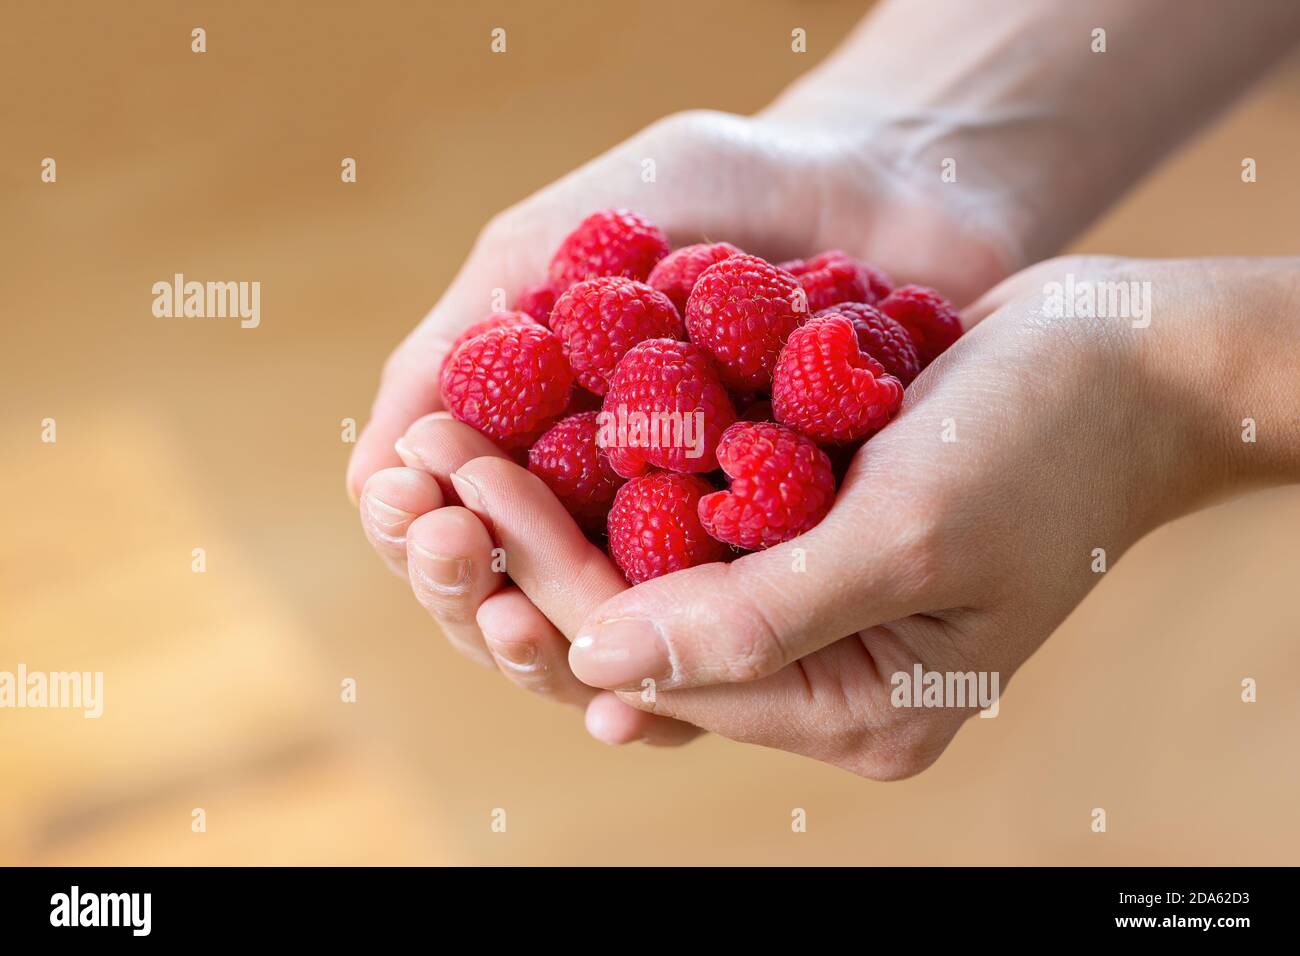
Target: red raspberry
{"x": 882, "y": 338}
{"x": 665, "y": 408}
{"x": 573, "y": 467}
{"x": 781, "y": 486}
{"x": 600, "y": 319}
{"x": 676, "y": 272}
{"x": 613, "y": 242}
{"x": 537, "y": 300}
{"x": 834, "y": 276}
{"x": 827, "y": 388}
{"x": 495, "y": 320}
{"x": 741, "y": 310}
{"x": 654, "y": 526}
{"x": 929, "y": 318}
{"x": 509, "y": 382}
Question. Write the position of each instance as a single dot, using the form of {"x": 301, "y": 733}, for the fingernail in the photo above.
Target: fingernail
{"x": 519, "y": 655}
{"x": 620, "y": 654}
{"x": 407, "y": 454}
{"x": 385, "y": 517}
{"x": 438, "y": 572}
{"x": 468, "y": 493}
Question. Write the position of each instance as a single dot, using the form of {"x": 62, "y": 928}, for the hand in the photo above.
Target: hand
{"x": 1067, "y": 436}
{"x": 776, "y": 187}
{"x": 847, "y": 157}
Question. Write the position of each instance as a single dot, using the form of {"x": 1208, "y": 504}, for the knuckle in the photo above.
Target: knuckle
{"x": 397, "y": 367}
{"x": 674, "y": 124}
{"x": 1082, "y": 264}
{"x": 449, "y": 604}
{"x": 918, "y": 546}
{"x": 687, "y": 123}
{"x": 696, "y": 135}
{"x": 1063, "y": 263}
{"x": 905, "y": 746}
{"x": 427, "y": 435}
{"x": 912, "y": 537}
{"x": 486, "y": 468}
{"x": 754, "y": 649}
{"x": 536, "y": 680}
{"x": 524, "y": 664}
{"x": 486, "y": 474}
{"x": 498, "y": 231}
{"x": 494, "y": 228}
{"x": 446, "y": 608}
{"x": 388, "y": 372}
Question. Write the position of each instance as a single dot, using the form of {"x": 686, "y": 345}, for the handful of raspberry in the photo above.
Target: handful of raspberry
{"x": 681, "y": 401}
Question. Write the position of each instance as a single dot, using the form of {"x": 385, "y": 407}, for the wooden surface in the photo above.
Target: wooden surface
{"x": 222, "y": 689}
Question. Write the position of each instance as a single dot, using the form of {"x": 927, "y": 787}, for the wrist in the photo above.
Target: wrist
{"x": 1257, "y": 341}
{"x": 1010, "y": 169}
{"x": 884, "y": 194}
{"x": 1224, "y": 362}
{"x": 1181, "y": 374}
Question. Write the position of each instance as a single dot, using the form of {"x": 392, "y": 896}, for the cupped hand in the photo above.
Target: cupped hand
{"x": 774, "y": 188}
{"x": 779, "y": 186}
{"x": 963, "y": 534}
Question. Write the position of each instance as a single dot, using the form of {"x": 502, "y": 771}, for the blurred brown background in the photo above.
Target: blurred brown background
{"x": 223, "y": 688}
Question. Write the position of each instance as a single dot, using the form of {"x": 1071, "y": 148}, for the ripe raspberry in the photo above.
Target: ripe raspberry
{"x": 613, "y": 242}
{"x": 537, "y": 300}
{"x": 495, "y": 320}
{"x": 827, "y": 388}
{"x": 569, "y": 461}
{"x": 741, "y": 310}
{"x": 654, "y": 526}
{"x": 929, "y": 318}
{"x": 834, "y": 276}
{"x": 882, "y": 338}
{"x": 781, "y": 486}
{"x": 600, "y": 319}
{"x": 676, "y": 272}
{"x": 665, "y": 408}
{"x": 509, "y": 382}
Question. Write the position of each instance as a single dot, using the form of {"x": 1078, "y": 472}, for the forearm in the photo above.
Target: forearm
{"x": 1040, "y": 126}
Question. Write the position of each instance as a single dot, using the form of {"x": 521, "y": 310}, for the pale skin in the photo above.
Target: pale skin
{"x": 1070, "y": 434}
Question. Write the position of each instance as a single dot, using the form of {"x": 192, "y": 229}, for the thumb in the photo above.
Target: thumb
{"x": 728, "y": 623}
